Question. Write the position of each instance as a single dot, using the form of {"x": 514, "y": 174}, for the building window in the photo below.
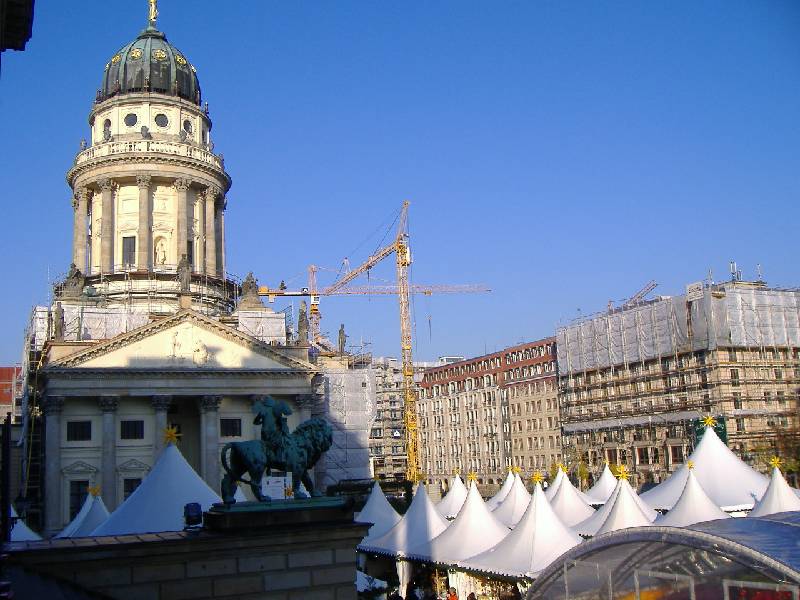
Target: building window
{"x": 735, "y": 377}
{"x": 676, "y": 454}
{"x": 737, "y": 400}
{"x": 778, "y": 374}
{"x": 230, "y": 427}
{"x": 740, "y": 425}
{"x": 129, "y": 486}
{"x": 77, "y": 494}
{"x": 128, "y": 250}
{"x": 79, "y": 431}
{"x": 131, "y": 430}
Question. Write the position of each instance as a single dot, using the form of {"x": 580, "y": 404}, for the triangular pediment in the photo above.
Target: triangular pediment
{"x": 79, "y": 468}
{"x": 186, "y": 340}
{"x": 133, "y": 465}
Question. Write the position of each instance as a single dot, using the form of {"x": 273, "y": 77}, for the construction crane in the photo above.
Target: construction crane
{"x": 640, "y": 295}
{"x": 402, "y": 252}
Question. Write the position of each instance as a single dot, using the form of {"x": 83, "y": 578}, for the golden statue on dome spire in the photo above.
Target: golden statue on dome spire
{"x": 153, "y": 13}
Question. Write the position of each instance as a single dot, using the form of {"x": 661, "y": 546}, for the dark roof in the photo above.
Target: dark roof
{"x": 150, "y": 64}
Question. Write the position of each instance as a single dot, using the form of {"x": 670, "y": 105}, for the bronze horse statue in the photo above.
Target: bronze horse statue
{"x": 277, "y": 449}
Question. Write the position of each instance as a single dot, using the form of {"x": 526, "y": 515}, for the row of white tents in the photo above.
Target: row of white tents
{"x": 516, "y": 534}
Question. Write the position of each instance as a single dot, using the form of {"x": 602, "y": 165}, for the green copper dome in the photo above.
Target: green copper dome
{"x": 150, "y": 64}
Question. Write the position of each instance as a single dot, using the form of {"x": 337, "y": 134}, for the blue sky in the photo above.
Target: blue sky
{"x": 561, "y": 153}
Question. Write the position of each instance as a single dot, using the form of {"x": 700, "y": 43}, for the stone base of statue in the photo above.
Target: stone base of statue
{"x": 278, "y": 513}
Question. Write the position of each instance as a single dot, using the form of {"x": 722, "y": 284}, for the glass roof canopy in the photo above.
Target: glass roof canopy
{"x": 728, "y": 559}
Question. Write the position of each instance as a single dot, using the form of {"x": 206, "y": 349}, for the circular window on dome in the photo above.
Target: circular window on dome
{"x": 187, "y": 126}
{"x": 162, "y": 120}
{"x": 131, "y": 119}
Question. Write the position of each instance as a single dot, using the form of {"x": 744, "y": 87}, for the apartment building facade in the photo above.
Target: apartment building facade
{"x": 634, "y": 382}
{"x": 487, "y": 413}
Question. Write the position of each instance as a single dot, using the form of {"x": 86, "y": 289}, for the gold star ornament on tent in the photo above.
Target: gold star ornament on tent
{"x": 537, "y": 477}
{"x": 171, "y": 435}
{"x": 690, "y": 465}
{"x": 562, "y": 466}
{"x": 472, "y": 476}
{"x": 94, "y": 490}
{"x": 709, "y": 421}
{"x": 456, "y": 471}
{"x": 622, "y": 472}
{"x": 516, "y": 470}
{"x": 775, "y": 462}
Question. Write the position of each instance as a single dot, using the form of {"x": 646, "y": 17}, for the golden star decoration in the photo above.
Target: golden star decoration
{"x": 775, "y": 462}
{"x": 509, "y": 468}
{"x": 456, "y": 471}
{"x": 709, "y": 421}
{"x": 690, "y": 465}
{"x": 472, "y": 476}
{"x": 537, "y": 477}
{"x": 171, "y": 435}
{"x": 94, "y": 490}
{"x": 622, "y": 472}
{"x": 562, "y": 466}
{"x": 516, "y": 470}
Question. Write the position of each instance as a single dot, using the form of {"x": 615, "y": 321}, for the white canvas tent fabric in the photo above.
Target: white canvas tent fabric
{"x": 602, "y": 489}
{"x": 559, "y": 479}
{"x": 495, "y": 500}
{"x": 513, "y": 506}
{"x": 474, "y": 530}
{"x": 538, "y": 539}
{"x": 365, "y": 583}
{"x": 377, "y": 511}
{"x": 157, "y": 504}
{"x": 779, "y": 497}
{"x": 568, "y": 504}
{"x": 421, "y": 523}
{"x": 92, "y": 514}
{"x": 623, "y": 509}
{"x": 728, "y": 481}
{"x": 449, "y": 506}
{"x": 21, "y": 532}
{"x": 694, "y": 506}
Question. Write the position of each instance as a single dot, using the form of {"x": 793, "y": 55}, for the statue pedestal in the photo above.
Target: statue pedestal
{"x": 185, "y": 301}
{"x": 278, "y": 513}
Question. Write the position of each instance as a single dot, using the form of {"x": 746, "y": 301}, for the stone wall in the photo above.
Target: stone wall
{"x": 309, "y": 561}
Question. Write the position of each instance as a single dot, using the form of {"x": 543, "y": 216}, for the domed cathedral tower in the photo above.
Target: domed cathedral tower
{"x": 148, "y": 191}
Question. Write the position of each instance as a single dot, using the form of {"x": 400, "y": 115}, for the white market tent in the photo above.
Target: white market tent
{"x": 569, "y": 504}
{"x": 92, "y": 514}
{"x": 728, "y": 481}
{"x": 601, "y": 491}
{"x": 779, "y": 497}
{"x": 21, "y": 532}
{"x": 623, "y": 509}
{"x": 157, "y": 504}
{"x": 449, "y": 506}
{"x": 474, "y": 530}
{"x": 377, "y": 511}
{"x": 538, "y": 539}
{"x": 513, "y": 506}
{"x": 559, "y": 479}
{"x": 420, "y": 524}
{"x": 495, "y": 500}
{"x": 365, "y": 583}
{"x": 694, "y": 506}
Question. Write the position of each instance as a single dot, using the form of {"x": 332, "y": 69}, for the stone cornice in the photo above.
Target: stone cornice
{"x": 184, "y": 316}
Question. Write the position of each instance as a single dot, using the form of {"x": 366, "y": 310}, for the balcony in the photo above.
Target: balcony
{"x": 152, "y": 147}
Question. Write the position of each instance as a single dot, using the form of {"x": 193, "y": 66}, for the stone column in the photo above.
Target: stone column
{"x": 161, "y": 405}
{"x": 53, "y": 494}
{"x": 220, "y": 240}
{"x": 182, "y": 226}
{"x": 106, "y": 227}
{"x": 209, "y": 440}
{"x": 144, "y": 239}
{"x": 211, "y": 231}
{"x": 108, "y": 469}
{"x": 200, "y": 250}
{"x": 80, "y": 204}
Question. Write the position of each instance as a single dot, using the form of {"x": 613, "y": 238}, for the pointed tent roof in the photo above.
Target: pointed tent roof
{"x": 560, "y": 477}
{"x": 378, "y": 511}
{"x": 421, "y": 523}
{"x": 538, "y": 539}
{"x": 569, "y": 504}
{"x": 474, "y": 530}
{"x": 694, "y": 506}
{"x": 495, "y": 500}
{"x": 157, "y": 504}
{"x": 623, "y": 509}
{"x": 728, "y": 481}
{"x": 92, "y": 514}
{"x": 602, "y": 489}
{"x": 779, "y": 497}
{"x": 513, "y": 506}
{"x": 21, "y": 532}
{"x": 449, "y": 506}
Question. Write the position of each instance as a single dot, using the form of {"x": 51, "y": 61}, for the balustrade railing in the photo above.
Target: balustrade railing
{"x": 152, "y": 146}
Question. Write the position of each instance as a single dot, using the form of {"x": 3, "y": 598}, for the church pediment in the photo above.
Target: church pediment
{"x": 79, "y": 468}
{"x": 187, "y": 340}
{"x": 133, "y": 465}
